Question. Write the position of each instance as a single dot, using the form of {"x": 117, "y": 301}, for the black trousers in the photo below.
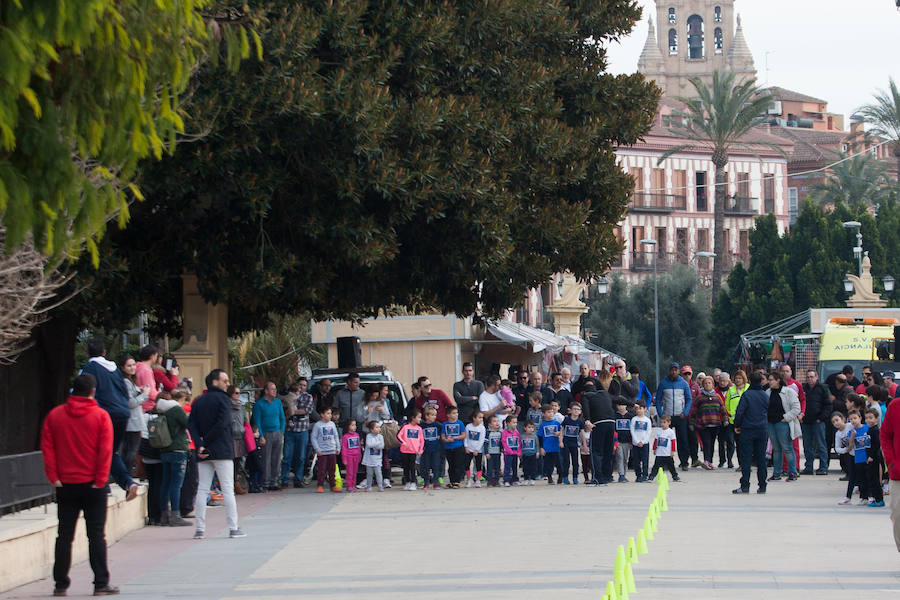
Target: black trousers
{"x": 753, "y": 448}
{"x": 873, "y": 478}
{"x": 72, "y": 500}
{"x": 154, "y": 483}
{"x": 682, "y": 436}
{"x": 409, "y": 467}
{"x": 726, "y": 443}
{"x": 456, "y": 463}
{"x": 708, "y": 436}
{"x": 666, "y": 463}
{"x": 189, "y": 486}
{"x": 858, "y": 478}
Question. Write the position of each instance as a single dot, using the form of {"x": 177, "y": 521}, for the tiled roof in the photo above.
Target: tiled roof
{"x": 811, "y": 145}
{"x": 790, "y": 95}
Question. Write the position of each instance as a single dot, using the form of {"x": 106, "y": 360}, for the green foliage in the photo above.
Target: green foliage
{"x": 883, "y": 116}
{"x": 287, "y": 337}
{"x": 419, "y": 155}
{"x": 88, "y": 89}
{"x": 803, "y": 269}
{"x": 718, "y": 121}
{"x": 622, "y": 321}
{"x": 857, "y": 181}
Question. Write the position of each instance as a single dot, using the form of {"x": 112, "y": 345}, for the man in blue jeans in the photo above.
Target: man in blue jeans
{"x": 296, "y": 435}
{"x": 751, "y": 422}
{"x": 818, "y": 413}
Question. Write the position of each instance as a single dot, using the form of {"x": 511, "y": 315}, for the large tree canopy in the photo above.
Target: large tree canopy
{"x": 87, "y": 89}
{"x": 423, "y": 155}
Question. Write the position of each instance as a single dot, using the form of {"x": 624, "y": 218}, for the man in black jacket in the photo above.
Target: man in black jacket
{"x": 621, "y": 385}
{"x": 818, "y": 413}
{"x": 597, "y": 405}
{"x": 751, "y": 422}
{"x": 210, "y": 426}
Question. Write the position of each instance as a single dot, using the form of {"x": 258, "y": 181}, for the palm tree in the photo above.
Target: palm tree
{"x": 883, "y": 117}
{"x": 717, "y": 120}
{"x": 277, "y": 351}
{"x": 857, "y": 181}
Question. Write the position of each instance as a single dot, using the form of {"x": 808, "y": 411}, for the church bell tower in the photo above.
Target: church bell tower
{"x": 694, "y": 38}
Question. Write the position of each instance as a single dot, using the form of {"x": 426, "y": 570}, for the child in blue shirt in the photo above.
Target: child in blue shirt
{"x": 571, "y": 429}
{"x": 453, "y": 432}
{"x": 530, "y": 444}
{"x": 430, "y": 462}
{"x": 549, "y": 432}
{"x": 858, "y": 441}
{"x": 493, "y": 451}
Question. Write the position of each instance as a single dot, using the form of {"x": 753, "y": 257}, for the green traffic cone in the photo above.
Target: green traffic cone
{"x": 629, "y": 579}
{"x": 619, "y": 568}
{"x": 648, "y": 528}
{"x": 611, "y": 591}
{"x": 621, "y": 586}
{"x": 631, "y": 553}
{"x": 642, "y": 541}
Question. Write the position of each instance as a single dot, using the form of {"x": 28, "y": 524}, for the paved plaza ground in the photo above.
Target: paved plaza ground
{"x": 526, "y": 542}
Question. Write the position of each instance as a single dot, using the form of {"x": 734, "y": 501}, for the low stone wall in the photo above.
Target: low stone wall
{"x": 28, "y": 538}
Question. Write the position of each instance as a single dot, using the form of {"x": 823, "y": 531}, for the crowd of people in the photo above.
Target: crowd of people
{"x": 601, "y": 427}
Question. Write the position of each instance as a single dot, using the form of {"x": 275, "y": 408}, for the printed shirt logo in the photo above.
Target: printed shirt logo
{"x": 527, "y": 444}
{"x": 513, "y": 442}
{"x": 640, "y": 425}
{"x": 431, "y": 434}
{"x": 474, "y": 435}
{"x": 550, "y": 429}
{"x": 623, "y": 424}
{"x": 374, "y": 451}
{"x": 451, "y": 429}
{"x": 353, "y": 443}
{"x": 862, "y": 442}
{"x": 412, "y": 434}
{"x": 662, "y": 442}
{"x": 572, "y": 430}
{"x": 495, "y": 442}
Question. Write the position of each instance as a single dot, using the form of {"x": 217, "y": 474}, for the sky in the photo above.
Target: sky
{"x": 839, "y": 51}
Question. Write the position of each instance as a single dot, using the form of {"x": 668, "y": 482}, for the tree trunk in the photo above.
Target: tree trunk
{"x": 719, "y": 229}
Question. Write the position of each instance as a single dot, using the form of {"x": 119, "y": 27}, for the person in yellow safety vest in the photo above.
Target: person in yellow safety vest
{"x": 732, "y": 397}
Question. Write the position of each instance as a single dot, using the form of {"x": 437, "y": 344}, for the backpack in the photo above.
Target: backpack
{"x": 158, "y": 432}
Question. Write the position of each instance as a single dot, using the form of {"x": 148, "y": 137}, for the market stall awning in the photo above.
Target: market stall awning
{"x": 531, "y": 341}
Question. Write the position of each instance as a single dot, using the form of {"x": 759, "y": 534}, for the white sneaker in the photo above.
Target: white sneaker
{"x": 387, "y": 483}
{"x": 863, "y": 501}
{"x": 845, "y": 501}
{"x": 361, "y": 485}
{"x": 516, "y": 483}
{"x": 505, "y": 484}
{"x": 468, "y": 483}
{"x": 478, "y": 483}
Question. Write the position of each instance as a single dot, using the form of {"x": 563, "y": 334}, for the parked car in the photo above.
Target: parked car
{"x": 368, "y": 375}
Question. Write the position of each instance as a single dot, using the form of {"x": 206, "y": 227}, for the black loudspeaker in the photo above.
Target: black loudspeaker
{"x": 349, "y": 351}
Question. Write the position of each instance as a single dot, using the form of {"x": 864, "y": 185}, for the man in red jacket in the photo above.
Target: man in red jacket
{"x": 77, "y": 442}
{"x": 890, "y": 447}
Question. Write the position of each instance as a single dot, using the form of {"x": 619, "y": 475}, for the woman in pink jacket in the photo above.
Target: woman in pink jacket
{"x": 412, "y": 443}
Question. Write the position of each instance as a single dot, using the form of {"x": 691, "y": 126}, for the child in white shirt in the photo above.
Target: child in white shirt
{"x": 842, "y": 430}
{"x": 474, "y": 445}
{"x": 664, "y": 447}
{"x": 641, "y": 437}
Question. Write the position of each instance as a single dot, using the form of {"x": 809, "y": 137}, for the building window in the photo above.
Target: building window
{"x": 673, "y": 42}
{"x": 792, "y": 203}
{"x": 681, "y": 245}
{"x": 744, "y": 242}
{"x": 769, "y": 193}
{"x": 695, "y": 39}
{"x": 701, "y": 190}
{"x": 661, "y": 248}
{"x": 743, "y": 186}
{"x": 671, "y": 16}
{"x": 719, "y": 41}
{"x": 703, "y": 246}
{"x": 717, "y": 14}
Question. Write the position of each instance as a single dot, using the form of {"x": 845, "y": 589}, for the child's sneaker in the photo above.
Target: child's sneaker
{"x": 421, "y": 481}
{"x": 387, "y": 483}
{"x": 469, "y": 483}
{"x": 381, "y": 489}
{"x": 516, "y": 483}
{"x": 505, "y": 484}
{"x": 566, "y": 481}
{"x": 436, "y": 486}
{"x": 319, "y": 490}
{"x": 874, "y": 504}
{"x": 650, "y": 479}
{"x": 549, "y": 481}
{"x": 361, "y": 485}
{"x": 863, "y": 501}
{"x": 440, "y": 481}
{"x": 478, "y": 483}
{"x": 335, "y": 490}
{"x": 574, "y": 481}
{"x": 844, "y": 501}
{"x": 623, "y": 479}
{"x": 676, "y": 478}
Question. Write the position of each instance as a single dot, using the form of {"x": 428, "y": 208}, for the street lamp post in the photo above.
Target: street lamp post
{"x": 857, "y": 250}
{"x": 648, "y": 242}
